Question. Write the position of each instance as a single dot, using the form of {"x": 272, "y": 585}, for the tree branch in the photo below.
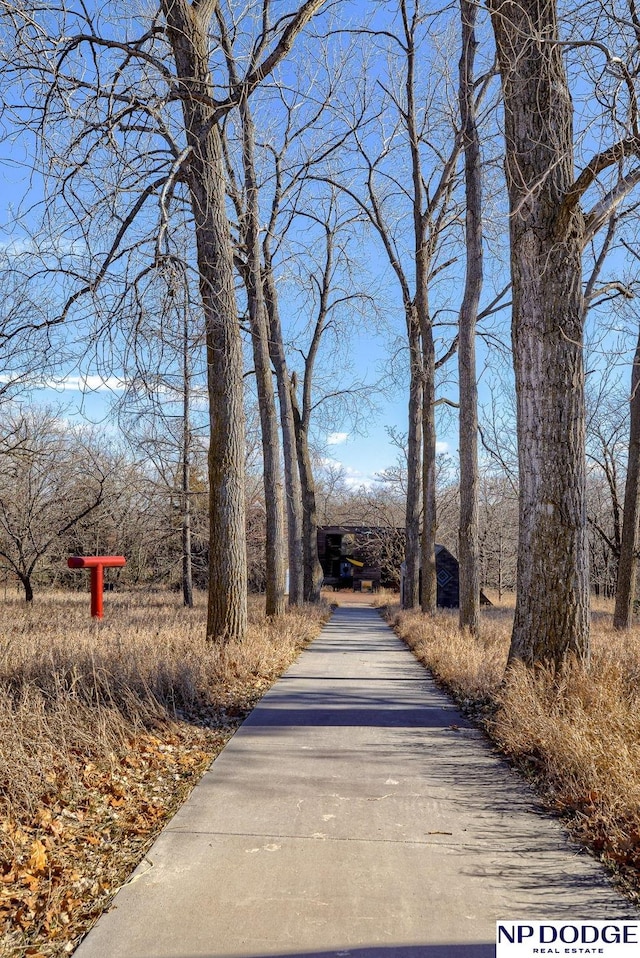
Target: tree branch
{"x": 600, "y": 162}
{"x": 604, "y": 209}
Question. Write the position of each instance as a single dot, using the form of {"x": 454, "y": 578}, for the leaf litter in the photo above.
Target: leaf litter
{"x": 92, "y": 768}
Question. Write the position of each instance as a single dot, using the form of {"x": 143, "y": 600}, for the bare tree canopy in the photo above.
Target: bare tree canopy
{"x": 194, "y": 192}
{"x": 51, "y": 478}
{"x": 126, "y": 111}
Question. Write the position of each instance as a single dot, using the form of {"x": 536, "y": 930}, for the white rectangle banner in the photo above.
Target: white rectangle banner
{"x": 530, "y": 939}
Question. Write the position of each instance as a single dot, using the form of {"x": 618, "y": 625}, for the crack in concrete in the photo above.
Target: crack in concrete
{"x": 325, "y": 838}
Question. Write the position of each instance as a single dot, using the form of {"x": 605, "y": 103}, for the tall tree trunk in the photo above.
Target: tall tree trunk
{"x": 272, "y": 476}
{"x": 429, "y": 597}
{"x": 293, "y": 492}
{"x": 416, "y": 586}
{"x": 187, "y": 574}
{"x": 628, "y": 562}
{"x": 312, "y": 570}
{"x": 227, "y": 606}
{"x": 552, "y": 604}
{"x": 411, "y": 592}
{"x": 468, "y": 537}
{"x": 424, "y": 333}
{"x": 312, "y": 574}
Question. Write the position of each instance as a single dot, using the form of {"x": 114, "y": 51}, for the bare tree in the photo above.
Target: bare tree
{"x": 163, "y": 371}
{"x": 628, "y": 563}
{"x": 410, "y": 164}
{"x": 468, "y": 534}
{"x": 605, "y": 428}
{"x": 32, "y": 348}
{"x": 250, "y": 265}
{"x": 549, "y": 231}
{"x": 294, "y": 139}
{"x": 189, "y": 38}
{"x": 331, "y": 296}
{"x": 498, "y": 520}
{"x": 123, "y": 106}
{"x": 186, "y": 456}
{"x": 51, "y": 478}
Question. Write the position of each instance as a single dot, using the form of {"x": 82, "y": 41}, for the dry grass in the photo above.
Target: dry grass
{"x": 104, "y": 729}
{"x": 576, "y": 735}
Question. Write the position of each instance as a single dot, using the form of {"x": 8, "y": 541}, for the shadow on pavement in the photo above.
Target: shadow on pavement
{"x": 468, "y": 950}
{"x": 337, "y": 716}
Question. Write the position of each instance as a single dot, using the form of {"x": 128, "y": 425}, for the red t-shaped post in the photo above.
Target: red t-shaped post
{"x": 96, "y": 564}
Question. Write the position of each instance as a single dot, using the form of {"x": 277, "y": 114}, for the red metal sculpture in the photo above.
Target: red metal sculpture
{"x": 96, "y": 564}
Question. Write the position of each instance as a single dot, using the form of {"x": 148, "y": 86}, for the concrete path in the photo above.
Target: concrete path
{"x": 355, "y": 813}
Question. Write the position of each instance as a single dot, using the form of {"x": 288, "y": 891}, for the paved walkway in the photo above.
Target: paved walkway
{"x": 355, "y": 813}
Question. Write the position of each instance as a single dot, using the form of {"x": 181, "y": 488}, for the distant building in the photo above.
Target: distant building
{"x": 364, "y": 558}
{"x": 355, "y": 557}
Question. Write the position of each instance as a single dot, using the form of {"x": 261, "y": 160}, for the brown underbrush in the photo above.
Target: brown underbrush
{"x": 576, "y": 735}
{"x": 104, "y": 729}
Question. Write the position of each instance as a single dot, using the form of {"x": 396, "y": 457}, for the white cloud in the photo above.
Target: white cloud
{"x": 354, "y": 479}
{"x": 88, "y": 383}
{"x": 337, "y": 438}
{"x": 76, "y": 383}
{"x": 14, "y": 247}
{"x": 442, "y": 447}
{"x": 358, "y": 481}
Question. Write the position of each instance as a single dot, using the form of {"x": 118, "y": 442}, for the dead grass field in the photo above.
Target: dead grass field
{"x": 104, "y": 729}
{"x": 576, "y": 735}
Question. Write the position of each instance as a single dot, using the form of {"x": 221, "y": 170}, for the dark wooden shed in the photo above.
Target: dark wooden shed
{"x": 447, "y": 580}
{"x": 448, "y": 592}
{"x": 448, "y": 585}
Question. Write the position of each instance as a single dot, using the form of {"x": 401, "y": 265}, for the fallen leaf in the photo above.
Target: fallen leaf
{"x": 37, "y": 861}
{"x": 31, "y": 881}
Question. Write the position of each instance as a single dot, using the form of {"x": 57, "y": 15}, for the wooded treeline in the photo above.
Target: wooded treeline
{"x": 226, "y": 198}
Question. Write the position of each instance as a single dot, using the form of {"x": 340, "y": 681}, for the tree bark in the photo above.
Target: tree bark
{"x": 227, "y": 605}
{"x": 418, "y": 558}
{"x": 272, "y": 476}
{"x": 423, "y": 336}
{"x": 28, "y": 588}
{"x": 293, "y": 492}
{"x": 312, "y": 570}
{"x": 552, "y": 603}
{"x": 429, "y": 596}
{"x": 468, "y": 535}
{"x": 411, "y": 592}
{"x": 187, "y": 574}
{"x": 628, "y": 562}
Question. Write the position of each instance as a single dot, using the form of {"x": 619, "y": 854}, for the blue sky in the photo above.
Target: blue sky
{"x": 363, "y": 451}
